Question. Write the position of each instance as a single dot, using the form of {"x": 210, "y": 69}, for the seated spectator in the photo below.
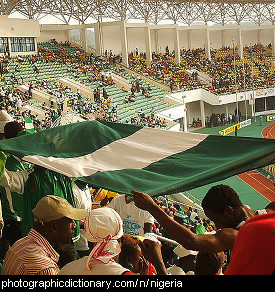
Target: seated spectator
{"x": 103, "y": 227}
{"x": 131, "y": 256}
{"x": 208, "y": 263}
{"x": 186, "y": 259}
{"x": 35, "y": 254}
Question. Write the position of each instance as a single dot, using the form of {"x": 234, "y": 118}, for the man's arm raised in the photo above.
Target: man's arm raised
{"x": 220, "y": 241}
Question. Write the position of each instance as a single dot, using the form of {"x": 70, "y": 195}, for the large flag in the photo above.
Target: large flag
{"x": 123, "y": 157}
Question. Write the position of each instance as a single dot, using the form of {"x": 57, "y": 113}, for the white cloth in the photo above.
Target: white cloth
{"x": 83, "y": 201}
{"x": 78, "y": 267}
{"x": 133, "y": 217}
{"x": 174, "y": 270}
{"x": 103, "y": 226}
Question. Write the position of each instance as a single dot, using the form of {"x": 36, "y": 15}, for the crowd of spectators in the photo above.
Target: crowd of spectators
{"x": 226, "y": 70}
{"x": 164, "y": 69}
{"x": 146, "y": 257}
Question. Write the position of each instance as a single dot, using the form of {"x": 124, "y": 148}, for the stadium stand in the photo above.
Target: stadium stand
{"x": 63, "y": 83}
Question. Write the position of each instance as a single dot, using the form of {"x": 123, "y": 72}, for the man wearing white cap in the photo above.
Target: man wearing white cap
{"x": 54, "y": 224}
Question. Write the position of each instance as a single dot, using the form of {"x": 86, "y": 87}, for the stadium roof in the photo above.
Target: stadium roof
{"x": 185, "y": 12}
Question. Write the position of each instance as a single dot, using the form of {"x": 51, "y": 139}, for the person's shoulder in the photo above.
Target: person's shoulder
{"x": 72, "y": 267}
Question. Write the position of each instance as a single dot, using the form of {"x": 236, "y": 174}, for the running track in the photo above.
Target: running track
{"x": 256, "y": 180}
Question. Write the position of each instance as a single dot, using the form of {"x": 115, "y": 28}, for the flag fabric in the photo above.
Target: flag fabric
{"x": 123, "y": 157}
{"x": 29, "y": 127}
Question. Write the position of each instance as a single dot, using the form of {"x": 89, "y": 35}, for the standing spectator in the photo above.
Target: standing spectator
{"x": 261, "y": 120}
{"x": 34, "y": 184}
{"x": 221, "y": 205}
{"x": 35, "y": 254}
{"x": 12, "y": 202}
{"x": 253, "y": 252}
{"x": 135, "y": 221}
{"x": 30, "y": 90}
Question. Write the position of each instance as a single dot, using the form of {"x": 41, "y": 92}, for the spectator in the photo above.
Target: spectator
{"x": 12, "y": 202}
{"x": 208, "y": 263}
{"x": 33, "y": 184}
{"x": 131, "y": 256}
{"x": 253, "y": 252}
{"x": 103, "y": 227}
{"x": 135, "y": 221}
{"x": 35, "y": 254}
{"x": 4, "y": 119}
{"x": 221, "y": 205}
{"x": 186, "y": 259}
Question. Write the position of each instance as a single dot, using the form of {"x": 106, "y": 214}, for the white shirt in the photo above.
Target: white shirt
{"x": 133, "y": 217}
{"x": 83, "y": 201}
{"x": 78, "y": 267}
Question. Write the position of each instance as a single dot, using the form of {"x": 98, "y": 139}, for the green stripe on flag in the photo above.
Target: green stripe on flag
{"x": 71, "y": 140}
{"x": 122, "y": 157}
{"x": 214, "y": 159}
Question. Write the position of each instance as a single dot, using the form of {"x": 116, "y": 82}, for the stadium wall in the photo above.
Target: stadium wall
{"x": 19, "y": 28}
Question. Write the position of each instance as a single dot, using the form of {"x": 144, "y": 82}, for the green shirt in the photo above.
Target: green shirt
{"x": 40, "y": 184}
{"x": 12, "y": 202}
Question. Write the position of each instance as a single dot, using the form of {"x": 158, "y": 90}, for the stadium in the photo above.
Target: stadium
{"x": 166, "y": 98}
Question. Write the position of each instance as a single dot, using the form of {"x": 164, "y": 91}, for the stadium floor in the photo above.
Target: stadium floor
{"x": 253, "y": 188}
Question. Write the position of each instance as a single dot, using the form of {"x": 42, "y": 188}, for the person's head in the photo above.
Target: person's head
{"x": 208, "y": 263}
{"x": 4, "y": 119}
{"x": 187, "y": 263}
{"x": 221, "y": 204}
{"x": 103, "y": 226}
{"x": 54, "y": 218}
{"x": 130, "y": 253}
{"x": 11, "y": 129}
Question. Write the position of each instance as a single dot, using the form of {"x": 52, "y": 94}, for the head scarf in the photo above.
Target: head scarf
{"x": 103, "y": 226}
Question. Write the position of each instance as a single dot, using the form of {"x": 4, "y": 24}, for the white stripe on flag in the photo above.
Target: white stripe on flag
{"x": 136, "y": 151}
{"x": 29, "y": 126}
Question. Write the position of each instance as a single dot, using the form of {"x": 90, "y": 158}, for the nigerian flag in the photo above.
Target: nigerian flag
{"x": 29, "y": 126}
{"x": 123, "y": 157}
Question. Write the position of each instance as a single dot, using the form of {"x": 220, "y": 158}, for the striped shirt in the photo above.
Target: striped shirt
{"x": 31, "y": 255}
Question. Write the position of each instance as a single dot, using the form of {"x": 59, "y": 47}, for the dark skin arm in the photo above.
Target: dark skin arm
{"x": 220, "y": 241}
{"x": 152, "y": 252}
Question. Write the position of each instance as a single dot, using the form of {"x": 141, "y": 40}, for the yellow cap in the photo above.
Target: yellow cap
{"x": 51, "y": 208}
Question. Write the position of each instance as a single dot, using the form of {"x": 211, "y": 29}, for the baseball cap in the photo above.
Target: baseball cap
{"x": 181, "y": 251}
{"x": 51, "y": 208}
